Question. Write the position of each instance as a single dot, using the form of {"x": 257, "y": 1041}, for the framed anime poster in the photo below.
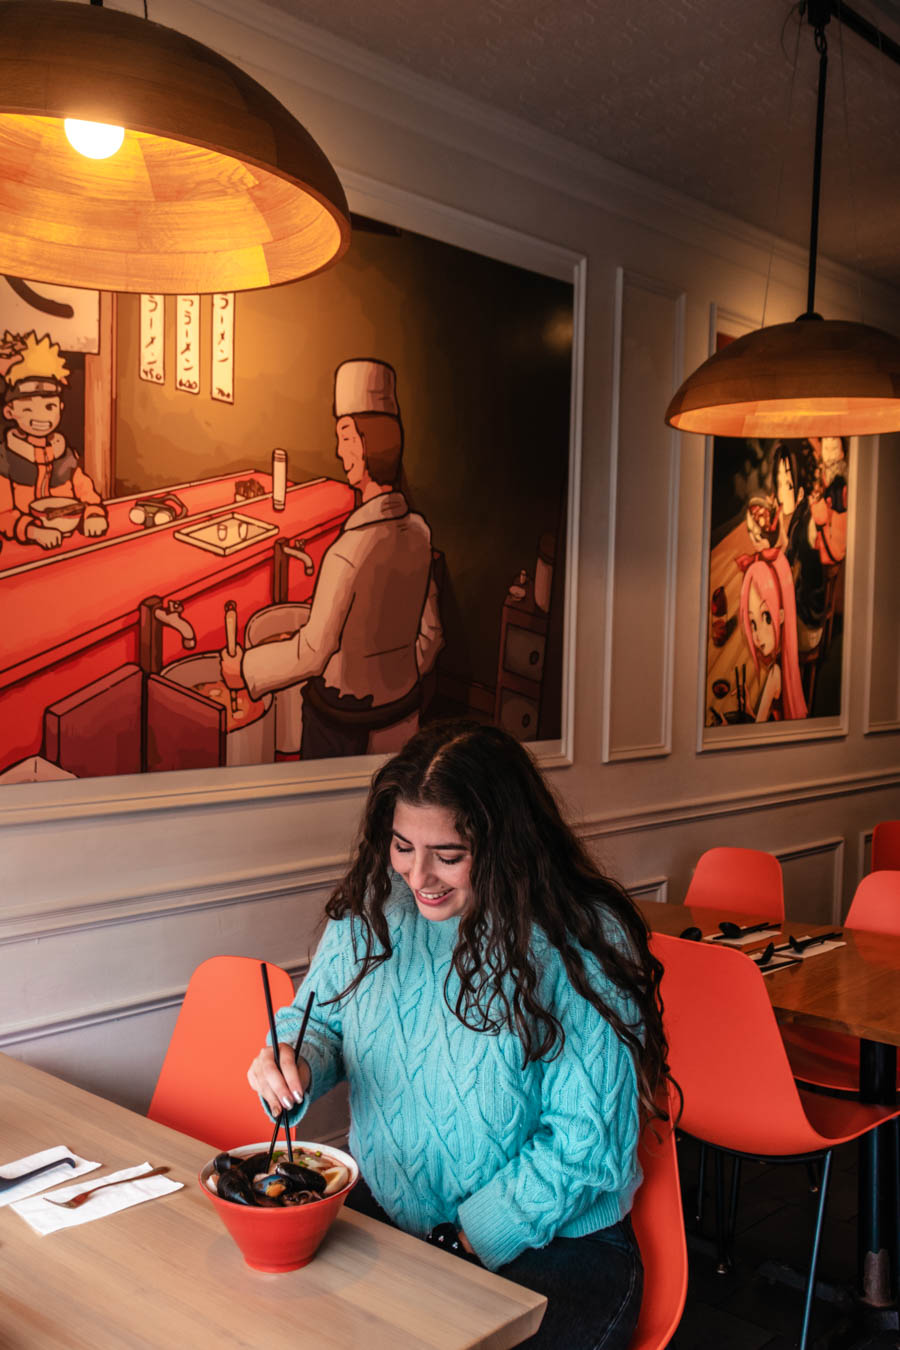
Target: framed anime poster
{"x": 299, "y": 546}
{"x": 774, "y": 626}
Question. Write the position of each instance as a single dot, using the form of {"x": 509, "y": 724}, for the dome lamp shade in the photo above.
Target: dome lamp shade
{"x": 213, "y": 186}
{"x": 812, "y": 377}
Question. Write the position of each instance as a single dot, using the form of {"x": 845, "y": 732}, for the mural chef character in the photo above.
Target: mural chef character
{"x": 374, "y": 628}
{"x": 35, "y": 460}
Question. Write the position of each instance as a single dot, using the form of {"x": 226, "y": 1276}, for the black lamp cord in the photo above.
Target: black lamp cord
{"x": 818, "y": 13}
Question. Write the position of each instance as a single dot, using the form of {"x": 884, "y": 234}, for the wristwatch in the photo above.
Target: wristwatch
{"x": 446, "y": 1236}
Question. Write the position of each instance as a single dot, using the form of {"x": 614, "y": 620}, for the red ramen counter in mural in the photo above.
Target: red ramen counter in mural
{"x": 100, "y": 632}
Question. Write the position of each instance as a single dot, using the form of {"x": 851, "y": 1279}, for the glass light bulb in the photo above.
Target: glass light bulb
{"x": 95, "y": 140}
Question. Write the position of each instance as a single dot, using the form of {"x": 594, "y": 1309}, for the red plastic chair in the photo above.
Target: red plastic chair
{"x": 659, "y": 1228}
{"x": 745, "y": 880}
{"x": 202, "y": 1088}
{"x": 828, "y": 1059}
{"x": 726, "y": 1052}
{"x": 886, "y": 846}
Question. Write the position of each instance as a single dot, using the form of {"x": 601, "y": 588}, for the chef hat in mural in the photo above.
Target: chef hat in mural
{"x": 365, "y": 386}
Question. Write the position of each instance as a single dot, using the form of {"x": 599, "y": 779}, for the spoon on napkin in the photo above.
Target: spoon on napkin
{"x": 78, "y": 1200}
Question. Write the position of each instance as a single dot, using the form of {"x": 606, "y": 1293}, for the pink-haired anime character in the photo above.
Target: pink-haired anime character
{"x": 769, "y": 622}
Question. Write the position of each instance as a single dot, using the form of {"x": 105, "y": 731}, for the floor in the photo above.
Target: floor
{"x": 744, "y": 1310}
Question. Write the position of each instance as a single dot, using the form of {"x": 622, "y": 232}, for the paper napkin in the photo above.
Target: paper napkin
{"x": 743, "y": 941}
{"x": 44, "y": 1217}
{"x": 41, "y": 1183}
{"x": 819, "y": 948}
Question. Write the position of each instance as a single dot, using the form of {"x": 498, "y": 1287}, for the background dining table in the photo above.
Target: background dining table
{"x": 855, "y": 989}
{"x": 165, "y": 1273}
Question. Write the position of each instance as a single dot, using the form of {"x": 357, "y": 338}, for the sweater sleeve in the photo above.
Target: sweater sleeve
{"x": 585, "y": 1142}
{"x": 323, "y": 1041}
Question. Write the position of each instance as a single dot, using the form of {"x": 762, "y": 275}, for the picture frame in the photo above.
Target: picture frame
{"x": 95, "y": 798}
{"x": 743, "y": 692}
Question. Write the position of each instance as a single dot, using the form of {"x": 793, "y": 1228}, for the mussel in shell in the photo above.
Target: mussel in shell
{"x": 234, "y": 1185}
{"x": 247, "y": 1181}
{"x": 254, "y": 1165}
{"x": 303, "y": 1178}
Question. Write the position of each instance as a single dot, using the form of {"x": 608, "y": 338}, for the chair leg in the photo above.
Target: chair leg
{"x": 812, "y": 1172}
{"x": 814, "y": 1259}
{"x": 732, "y": 1207}
{"x": 721, "y": 1236}
{"x": 701, "y": 1184}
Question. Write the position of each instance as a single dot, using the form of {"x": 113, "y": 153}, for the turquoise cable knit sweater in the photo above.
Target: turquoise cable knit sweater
{"x": 445, "y": 1123}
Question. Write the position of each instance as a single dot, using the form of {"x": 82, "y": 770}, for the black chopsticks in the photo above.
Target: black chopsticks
{"x": 283, "y": 1114}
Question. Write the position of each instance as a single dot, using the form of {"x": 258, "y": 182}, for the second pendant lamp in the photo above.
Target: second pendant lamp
{"x": 812, "y": 377}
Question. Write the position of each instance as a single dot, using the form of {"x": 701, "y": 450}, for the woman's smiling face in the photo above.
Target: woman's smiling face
{"x": 434, "y": 860}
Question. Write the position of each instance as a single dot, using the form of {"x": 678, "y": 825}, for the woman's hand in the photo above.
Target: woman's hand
{"x": 283, "y": 1085}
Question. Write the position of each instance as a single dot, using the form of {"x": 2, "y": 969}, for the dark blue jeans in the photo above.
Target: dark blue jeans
{"x": 593, "y": 1284}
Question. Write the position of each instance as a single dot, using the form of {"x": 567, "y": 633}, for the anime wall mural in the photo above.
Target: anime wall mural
{"x": 350, "y": 521}
{"x": 778, "y": 549}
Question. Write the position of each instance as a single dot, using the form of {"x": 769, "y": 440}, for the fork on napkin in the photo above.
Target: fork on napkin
{"x": 30, "y": 1185}
{"x": 44, "y": 1218}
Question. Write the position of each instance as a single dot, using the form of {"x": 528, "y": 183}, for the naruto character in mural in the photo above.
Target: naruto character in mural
{"x": 374, "y": 629}
{"x": 35, "y": 461}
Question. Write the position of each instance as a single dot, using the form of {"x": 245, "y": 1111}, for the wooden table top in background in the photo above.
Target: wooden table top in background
{"x": 166, "y": 1273}
{"x": 854, "y": 988}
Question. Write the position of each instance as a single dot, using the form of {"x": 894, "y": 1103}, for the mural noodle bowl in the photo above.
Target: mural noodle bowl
{"x": 249, "y": 739}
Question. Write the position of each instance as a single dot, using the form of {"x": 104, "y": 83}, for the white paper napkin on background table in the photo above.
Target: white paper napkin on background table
{"x": 745, "y": 940}
{"x": 46, "y": 1179}
{"x": 45, "y": 1217}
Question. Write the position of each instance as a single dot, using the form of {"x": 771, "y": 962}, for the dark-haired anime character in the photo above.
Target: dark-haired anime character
{"x": 797, "y": 537}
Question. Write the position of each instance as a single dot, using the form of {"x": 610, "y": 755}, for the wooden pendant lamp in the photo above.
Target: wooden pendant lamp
{"x": 216, "y": 186}
{"x": 812, "y": 377}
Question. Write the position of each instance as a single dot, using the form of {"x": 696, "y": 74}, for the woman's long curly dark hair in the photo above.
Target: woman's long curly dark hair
{"x": 527, "y": 868}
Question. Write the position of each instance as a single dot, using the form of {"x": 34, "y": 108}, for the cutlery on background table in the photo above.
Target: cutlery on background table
{"x": 78, "y": 1200}
{"x": 801, "y": 945}
{"x": 734, "y": 930}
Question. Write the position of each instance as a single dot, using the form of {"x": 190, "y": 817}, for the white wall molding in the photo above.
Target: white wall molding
{"x": 319, "y": 876}
{"x": 820, "y": 848}
{"x": 625, "y": 639}
{"x": 30, "y": 922}
{"x": 18, "y": 1033}
{"x": 864, "y": 853}
{"x": 656, "y": 889}
{"x": 686, "y": 812}
{"x": 266, "y": 40}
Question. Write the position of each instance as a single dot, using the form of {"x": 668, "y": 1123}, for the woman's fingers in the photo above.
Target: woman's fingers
{"x": 265, "y": 1077}
{"x": 296, "y": 1073}
{"x": 281, "y": 1085}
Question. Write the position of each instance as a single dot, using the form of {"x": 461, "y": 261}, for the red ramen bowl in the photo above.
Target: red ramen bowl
{"x": 280, "y": 1239}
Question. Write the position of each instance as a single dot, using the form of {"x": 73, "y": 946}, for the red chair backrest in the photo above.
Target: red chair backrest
{"x": 725, "y": 1050}
{"x": 745, "y": 880}
{"x": 886, "y": 846}
{"x": 876, "y": 904}
{"x": 659, "y": 1228}
{"x": 202, "y": 1088}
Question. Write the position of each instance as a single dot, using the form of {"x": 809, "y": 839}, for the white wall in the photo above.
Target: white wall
{"x": 113, "y": 890}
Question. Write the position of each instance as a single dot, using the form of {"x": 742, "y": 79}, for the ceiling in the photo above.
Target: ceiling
{"x": 700, "y": 95}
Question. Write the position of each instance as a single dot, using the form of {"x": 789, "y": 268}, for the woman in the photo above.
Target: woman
{"x": 492, "y": 1002}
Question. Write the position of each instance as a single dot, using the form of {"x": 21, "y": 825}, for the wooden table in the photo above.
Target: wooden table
{"x": 852, "y": 989}
{"x": 165, "y": 1273}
